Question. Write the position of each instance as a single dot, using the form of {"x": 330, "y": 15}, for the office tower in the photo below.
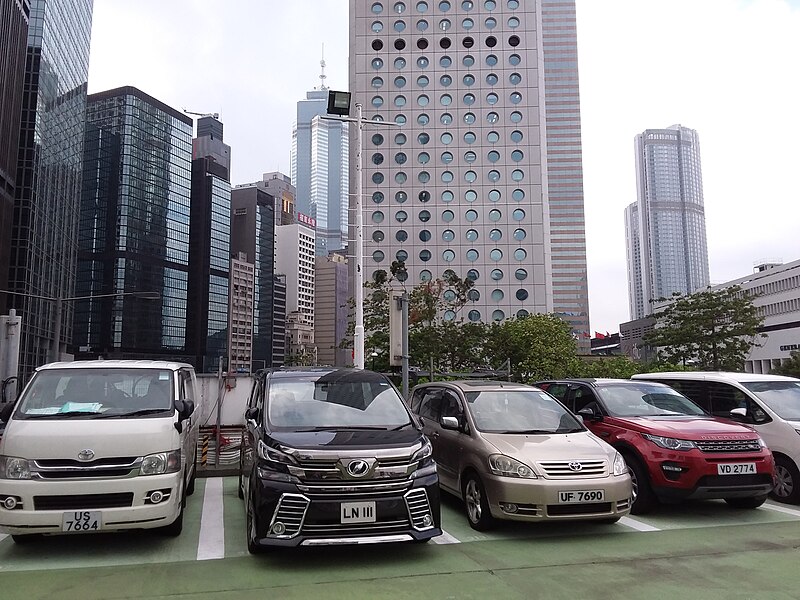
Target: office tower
{"x": 240, "y": 321}
{"x": 134, "y": 228}
{"x": 253, "y": 221}
{"x": 665, "y": 229}
{"x": 331, "y": 310}
{"x": 294, "y": 258}
{"x": 319, "y": 161}
{"x": 209, "y": 247}
{"x": 44, "y": 240}
{"x": 13, "y": 37}
{"x": 483, "y": 177}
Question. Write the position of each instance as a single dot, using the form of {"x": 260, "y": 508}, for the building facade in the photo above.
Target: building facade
{"x": 254, "y": 214}
{"x": 240, "y": 330}
{"x": 294, "y": 258}
{"x": 14, "y": 16}
{"x": 44, "y": 238}
{"x": 331, "y": 309}
{"x": 209, "y": 247}
{"x": 134, "y": 228}
{"x": 319, "y": 170}
{"x": 484, "y": 175}
{"x": 665, "y": 230}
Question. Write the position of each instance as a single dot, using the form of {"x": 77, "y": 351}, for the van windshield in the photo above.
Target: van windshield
{"x": 335, "y": 401}
{"x": 783, "y": 397}
{"x": 91, "y": 393}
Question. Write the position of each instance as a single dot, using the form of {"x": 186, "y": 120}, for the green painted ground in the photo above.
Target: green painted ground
{"x": 755, "y": 555}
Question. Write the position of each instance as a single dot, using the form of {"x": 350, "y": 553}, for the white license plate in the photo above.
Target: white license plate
{"x": 736, "y": 469}
{"x": 358, "y": 512}
{"x": 580, "y": 496}
{"x": 82, "y": 520}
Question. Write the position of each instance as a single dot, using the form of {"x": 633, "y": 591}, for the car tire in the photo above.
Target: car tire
{"x": 477, "y": 503}
{"x": 787, "y": 481}
{"x": 239, "y": 490}
{"x": 644, "y": 499}
{"x": 752, "y": 502}
{"x": 175, "y": 528}
{"x": 252, "y": 546}
{"x": 190, "y": 487}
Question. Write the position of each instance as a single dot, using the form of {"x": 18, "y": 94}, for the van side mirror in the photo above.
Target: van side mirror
{"x": 451, "y": 423}
{"x": 5, "y": 412}
{"x": 589, "y": 413}
{"x": 251, "y": 414}
{"x": 740, "y": 415}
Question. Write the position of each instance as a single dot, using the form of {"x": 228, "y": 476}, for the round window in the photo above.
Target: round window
{"x": 471, "y": 235}
{"x": 377, "y": 217}
{"x": 447, "y": 196}
{"x": 448, "y": 216}
{"x": 448, "y": 256}
{"x": 424, "y": 216}
{"x": 495, "y": 215}
{"x": 401, "y": 235}
{"x": 448, "y": 235}
{"x": 471, "y": 215}
{"x": 520, "y": 254}
{"x": 518, "y": 214}
{"x": 521, "y": 274}
{"x": 425, "y": 255}
{"x": 496, "y": 274}
{"x": 400, "y": 197}
{"x": 378, "y": 256}
{"x": 377, "y": 236}
{"x": 377, "y": 197}
{"x": 472, "y": 255}
{"x": 519, "y": 234}
{"x": 496, "y": 254}
{"x": 425, "y": 235}
{"x": 498, "y": 315}
{"x": 377, "y": 63}
{"x": 470, "y": 195}
{"x": 474, "y": 316}
{"x": 425, "y": 275}
{"x": 401, "y": 216}
{"x": 473, "y": 275}
{"x": 495, "y": 235}
{"x": 498, "y": 294}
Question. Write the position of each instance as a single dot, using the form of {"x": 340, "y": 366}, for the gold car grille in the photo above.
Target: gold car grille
{"x": 570, "y": 469}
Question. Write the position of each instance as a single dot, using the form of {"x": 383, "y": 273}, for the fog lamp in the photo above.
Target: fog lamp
{"x": 510, "y": 508}
{"x": 427, "y": 521}
{"x": 10, "y": 502}
{"x": 279, "y": 528}
{"x": 156, "y": 497}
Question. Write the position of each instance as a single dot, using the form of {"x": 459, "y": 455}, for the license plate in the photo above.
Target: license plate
{"x": 580, "y": 496}
{"x": 358, "y": 512}
{"x": 736, "y": 469}
{"x": 83, "y": 520}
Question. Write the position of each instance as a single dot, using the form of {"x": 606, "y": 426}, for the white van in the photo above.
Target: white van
{"x": 99, "y": 446}
{"x": 768, "y": 403}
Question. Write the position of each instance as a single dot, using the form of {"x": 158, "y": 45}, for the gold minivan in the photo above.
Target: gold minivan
{"x": 512, "y": 451}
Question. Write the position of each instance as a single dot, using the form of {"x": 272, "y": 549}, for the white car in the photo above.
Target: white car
{"x": 99, "y": 446}
{"x": 770, "y": 404}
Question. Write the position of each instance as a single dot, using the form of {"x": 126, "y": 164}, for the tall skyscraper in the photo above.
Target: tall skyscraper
{"x": 134, "y": 228}
{"x": 44, "y": 240}
{"x": 331, "y": 292}
{"x": 209, "y": 247}
{"x": 319, "y": 168}
{"x": 255, "y": 213}
{"x": 13, "y": 38}
{"x": 483, "y": 177}
{"x": 665, "y": 229}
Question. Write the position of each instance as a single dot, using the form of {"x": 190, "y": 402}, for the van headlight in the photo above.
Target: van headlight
{"x": 162, "y": 462}
{"x": 620, "y": 466}
{"x": 275, "y": 459}
{"x": 505, "y": 466}
{"x": 12, "y": 467}
{"x": 423, "y": 454}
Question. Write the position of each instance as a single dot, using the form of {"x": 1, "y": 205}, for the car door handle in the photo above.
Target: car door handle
{"x": 434, "y": 435}
{"x": 605, "y": 433}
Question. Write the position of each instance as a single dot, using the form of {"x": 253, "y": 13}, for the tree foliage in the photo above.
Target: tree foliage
{"x": 790, "y": 368}
{"x": 712, "y": 329}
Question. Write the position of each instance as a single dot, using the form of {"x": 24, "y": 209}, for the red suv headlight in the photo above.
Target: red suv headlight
{"x": 670, "y": 443}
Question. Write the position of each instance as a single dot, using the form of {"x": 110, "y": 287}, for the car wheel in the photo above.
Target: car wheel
{"x": 644, "y": 499}
{"x": 752, "y": 502}
{"x": 478, "y": 513}
{"x": 252, "y": 544}
{"x": 190, "y": 487}
{"x": 175, "y": 528}
{"x": 787, "y": 481}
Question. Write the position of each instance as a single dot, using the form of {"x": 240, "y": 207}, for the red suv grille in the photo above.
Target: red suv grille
{"x": 729, "y": 445}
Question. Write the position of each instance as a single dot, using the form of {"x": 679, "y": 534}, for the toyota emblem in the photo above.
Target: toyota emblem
{"x": 357, "y": 468}
{"x": 86, "y": 454}
{"x": 575, "y": 466}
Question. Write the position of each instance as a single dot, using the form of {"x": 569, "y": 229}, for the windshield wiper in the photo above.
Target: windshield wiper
{"x": 70, "y": 413}
{"x": 399, "y": 427}
{"x": 135, "y": 413}
{"x": 536, "y": 431}
{"x": 344, "y": 428}
{"x": 574, "y": 430}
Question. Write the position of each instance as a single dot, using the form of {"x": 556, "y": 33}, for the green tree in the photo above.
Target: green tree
{"x": 791, "y": 368}
{"x": 539, "y": 346}
{"x": 712, "y": 329}
{"x": 616, "y": 367}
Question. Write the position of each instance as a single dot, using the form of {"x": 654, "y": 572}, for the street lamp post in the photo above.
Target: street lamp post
{"x": 339, "y": 104}
{"x": 55, "y": 350}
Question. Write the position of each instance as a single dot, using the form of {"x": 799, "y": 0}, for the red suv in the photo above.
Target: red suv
{"x": 674, "y": 449}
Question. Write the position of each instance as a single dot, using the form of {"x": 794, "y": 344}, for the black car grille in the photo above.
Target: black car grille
{"x": 727, "y": 482}
{"x": 593, "y": 508}
{"x": 729, "y": 445}
{"x": 355, "y": 490}
{"x": 83, "y": 501}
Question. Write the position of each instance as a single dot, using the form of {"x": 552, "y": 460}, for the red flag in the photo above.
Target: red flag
{"x": 599, "y": 336}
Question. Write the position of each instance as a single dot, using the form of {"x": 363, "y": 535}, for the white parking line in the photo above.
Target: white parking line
{"x": 212, "y": 524}
{"x": 783, "y": 509}
{"x": 445, "y": 538}
{"x": 637, "y": 525}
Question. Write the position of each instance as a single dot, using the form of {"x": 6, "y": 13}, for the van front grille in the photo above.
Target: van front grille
{"x": 83, "y": 501}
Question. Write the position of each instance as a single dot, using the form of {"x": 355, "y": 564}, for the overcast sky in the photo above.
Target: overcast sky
{"x": 729, "y": 69}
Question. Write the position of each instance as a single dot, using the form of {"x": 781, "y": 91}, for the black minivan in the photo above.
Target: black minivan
{"x": 333, "y": 456}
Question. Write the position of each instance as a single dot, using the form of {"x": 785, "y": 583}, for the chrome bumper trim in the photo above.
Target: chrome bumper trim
{"x": 378, "y": 539}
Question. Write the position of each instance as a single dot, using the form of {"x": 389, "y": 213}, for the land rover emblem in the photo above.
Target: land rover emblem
{"x": 86, "y": 454}
{"x": 357, "y": 468}
{"x": 575, "y": 466}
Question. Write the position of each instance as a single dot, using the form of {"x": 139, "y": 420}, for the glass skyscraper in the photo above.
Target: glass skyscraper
{"x": 483, "y": 178}
{"x": 44, "y": 241}
{"x": 665, "y": 229}
{"x": 319, "y": 170}
{"x": 134, "y": 228}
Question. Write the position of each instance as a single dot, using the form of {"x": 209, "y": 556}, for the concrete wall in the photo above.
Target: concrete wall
{"x": 234, "y": 396}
